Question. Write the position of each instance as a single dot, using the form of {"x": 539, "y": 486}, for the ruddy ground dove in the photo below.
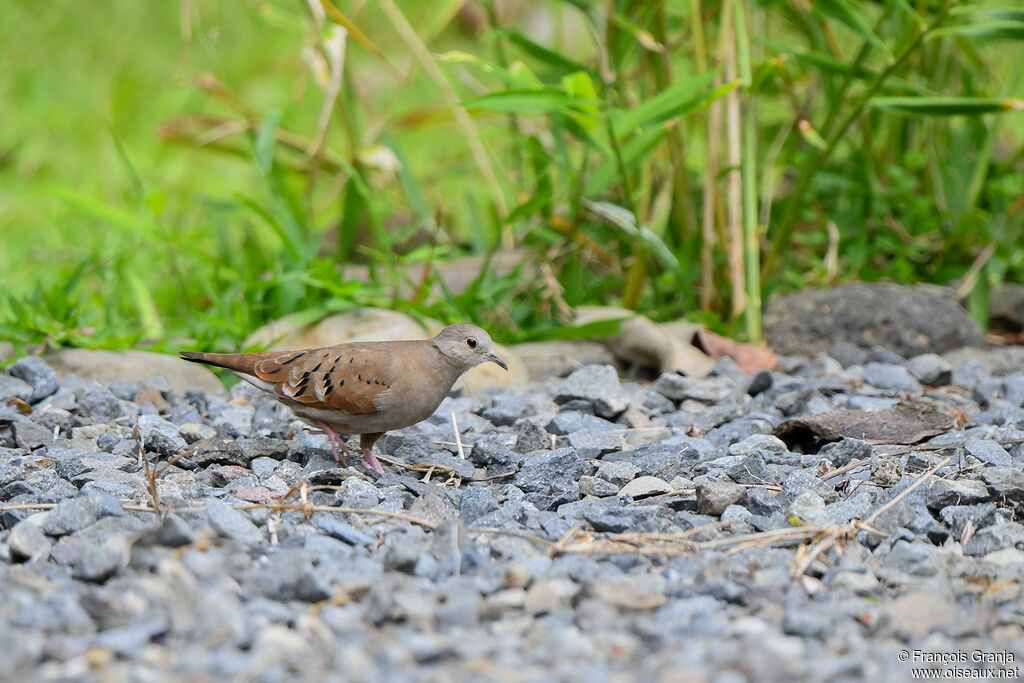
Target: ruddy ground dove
{"x": 364, "y": 388}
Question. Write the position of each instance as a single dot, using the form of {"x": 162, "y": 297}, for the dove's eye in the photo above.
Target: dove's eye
{"x": 471, "y": 342}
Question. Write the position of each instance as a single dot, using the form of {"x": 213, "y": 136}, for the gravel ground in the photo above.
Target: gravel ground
{"x": 590, "y": 532}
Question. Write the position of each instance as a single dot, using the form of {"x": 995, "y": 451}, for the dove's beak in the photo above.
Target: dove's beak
{"x": 497, "y": 359}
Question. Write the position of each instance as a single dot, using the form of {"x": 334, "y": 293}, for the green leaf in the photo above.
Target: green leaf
{"x": 682, "y": 98}
{"x": 634, "y": 153}
{"x": 529, "y": 101}
{"x": 1010, "y": 13}
{"x": 266, "y": 139}
{"x": 848, "y": 15}
{"x": 987, "y": 30}
{"x": 947, "y": 106}
{"x": 517, "y": 75}
{"x": 539, "y": 52}
{"x": 623, "y": 218}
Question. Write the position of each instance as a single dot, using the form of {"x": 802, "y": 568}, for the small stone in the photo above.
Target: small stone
{"x": 945, "y": 492}
{"x": 549, "y": 595}
{"x": 27, "y": 540}
{"x": 530, "y": 437}
{"x": 750, "y": 469}
{"x": 37, "y": 374}
{"x": 845, "y": 451}
{"x": 760, "y": 381}
{"x": 239, "y": 417}
{"x": 231, "y": 523}
{"x": 99, "y": 402}
{"x": 988, "y": 452}
{"x": 598, "y": 384}
{"x": 639, "y": 592}
{"x": 1007, "y": 557}
{"x": 1004, "y": 483}
{"x": 358, "y": 493}
{"x": 931, "y": 370}
{"x": 595, "y": 486}
{"x": 643, "y": 487}
{"x": 810, "y": 509}
{"x": 1013, "y": 388}
{"x": 714, "y": 497}
{"x": 476, "y": 502}
{"x": 758, "y": 442}
{"x": 890, "y": 377}
{"x": 680, "y": 388}
{"x": 72, "y": 514}
{"x": 885, "y": 469}
{"x": 550, "y": 479}
{"x": 495, "y": 449}
{"x": 762, "y": 501}
{"x": 594, "y": 444}
{"x": 571, "y": 421}
{"x": 174, "y": 532}
{"x": 99, "y": 562}
{"x": 160, "y": 436}
{"x": 332, "y": 526}
{"x": 618, "y": 472}
{"x": 12, "y": 387}
{"x": 499, "y": 603}
{"x": 957, "y": 517}
{"x": 995, "y": 537}
{"x": 194, "y": 432}
{"x": 859, "y": 582}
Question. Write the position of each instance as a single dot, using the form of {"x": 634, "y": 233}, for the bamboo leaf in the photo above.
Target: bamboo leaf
{"x": 539, "y": 52}
{"x": 1009, "y": 13}
{"x": 634, "y": 153}
{"x": 518, "y": 75}
{"x": 266, "y": 138}
{"x": 682, "y": 98}
{"x": 529, "y": 101}
{"x": 623, "y": 219}
{"x": 987, "y": 30}
{"x": 947, "y": 106}
{"x": 848, "y": 15}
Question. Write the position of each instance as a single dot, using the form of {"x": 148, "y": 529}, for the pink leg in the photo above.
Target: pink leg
{"x": 366, "y": 442}
{"x": 370, "y": 460}
{"x": 335, "y": 441}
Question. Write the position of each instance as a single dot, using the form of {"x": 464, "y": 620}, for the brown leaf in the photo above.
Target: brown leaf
{"x": 749, "y": 357}
{"x": 21, "y": 405}
{"x": 905, "y": 423}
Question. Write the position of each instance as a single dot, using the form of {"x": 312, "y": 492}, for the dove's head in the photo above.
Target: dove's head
{"x": 467, "y": 345}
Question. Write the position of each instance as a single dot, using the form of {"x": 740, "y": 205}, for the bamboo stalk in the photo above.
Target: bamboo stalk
{"x": 714, "y": 125}
{"x": 737, "y": 278}
{"x": 751, "y": 232}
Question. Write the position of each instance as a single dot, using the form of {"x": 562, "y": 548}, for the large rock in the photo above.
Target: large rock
{"x": 908, "y": 320}
{"x": 141, "y": 366}
{"x": 378, "y": 324}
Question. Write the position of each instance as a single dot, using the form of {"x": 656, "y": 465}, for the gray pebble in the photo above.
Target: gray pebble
{"x": 231, "y": 523}
{"x": 931, "y": 370}
{"x": 37, "y": 374}
{"x": 714, "y": 497}
{"x": 98, "y": 402}
{"x": 598, "y": 384}
{"x": 27, "y": 540}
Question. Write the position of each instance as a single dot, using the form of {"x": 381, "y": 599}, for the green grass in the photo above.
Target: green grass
{"x": 154, "y": 185}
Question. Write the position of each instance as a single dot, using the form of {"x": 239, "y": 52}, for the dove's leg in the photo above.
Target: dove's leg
{"x": 335, "y": 440}
{"x": 366, "y": 442}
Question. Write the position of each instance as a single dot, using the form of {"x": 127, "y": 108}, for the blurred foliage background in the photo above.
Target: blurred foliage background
{"x": 186, "y": 171}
